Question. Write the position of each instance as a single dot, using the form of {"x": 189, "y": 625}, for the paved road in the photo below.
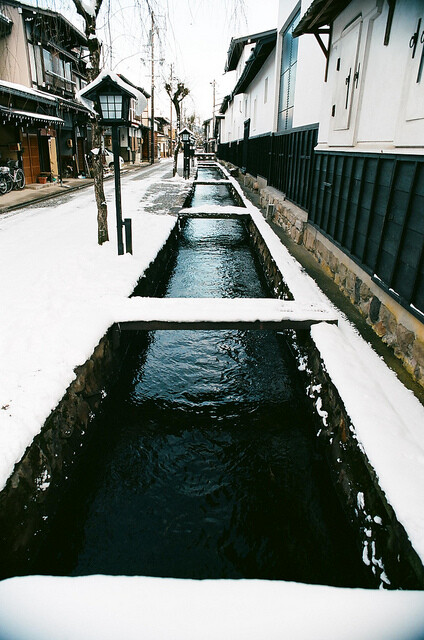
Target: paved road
{"x": 160, "y": 193}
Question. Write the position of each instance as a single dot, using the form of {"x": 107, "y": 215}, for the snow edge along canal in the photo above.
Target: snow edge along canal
{"x": 402, "y": 414}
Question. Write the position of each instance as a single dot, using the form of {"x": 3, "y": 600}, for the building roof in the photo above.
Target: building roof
{"x": 224, "y": 104}
{"x": 143, "y": 91}
{"x": 21, "y": 116}
{"x": 20, "y": 90}
{"x": 320, "y": 13}
{"x": 256, "y": 60}
{"x": 49, "y": 15}
{"x": 237, "y": 45}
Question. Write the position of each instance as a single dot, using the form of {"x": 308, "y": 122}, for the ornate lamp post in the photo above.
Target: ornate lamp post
{"x": 186, "y": 135}
{"x": 111, "y": 96}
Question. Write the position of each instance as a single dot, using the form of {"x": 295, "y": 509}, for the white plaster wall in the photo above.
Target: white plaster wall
{"x": 310, "y": 81}
{"x": 238, "y": 111}
{"x": 387, "y": 76}
{"x": 256, "y": 91}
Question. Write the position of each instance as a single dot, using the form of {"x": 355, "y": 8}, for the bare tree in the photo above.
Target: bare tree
{"x": 177, "y": 95}
{"x": 89, "y": 12}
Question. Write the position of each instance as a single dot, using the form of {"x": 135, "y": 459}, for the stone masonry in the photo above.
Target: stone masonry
{"x": 397, "y": 327}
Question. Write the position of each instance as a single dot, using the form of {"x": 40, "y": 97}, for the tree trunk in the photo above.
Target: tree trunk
{"x": 94, "y": 52}
{"x": 102, "y": 228}
{"x": 176, "y": 152}
{"x": 178, "y": 145}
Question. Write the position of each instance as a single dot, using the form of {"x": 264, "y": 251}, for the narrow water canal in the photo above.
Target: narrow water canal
{"x": 204, "y": 463}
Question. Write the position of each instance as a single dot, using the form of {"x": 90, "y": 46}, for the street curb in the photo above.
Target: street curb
{"x": 84, "y": 185}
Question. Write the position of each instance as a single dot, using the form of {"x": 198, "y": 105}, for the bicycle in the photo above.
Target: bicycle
{"x": 11, "y": 177}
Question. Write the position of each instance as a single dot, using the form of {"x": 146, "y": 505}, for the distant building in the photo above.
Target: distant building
{"x": 42, "y": 65}
{"x": 249, "y": 109}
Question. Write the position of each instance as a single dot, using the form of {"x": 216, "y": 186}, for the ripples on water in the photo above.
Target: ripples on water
{"x": 204, "y": 465}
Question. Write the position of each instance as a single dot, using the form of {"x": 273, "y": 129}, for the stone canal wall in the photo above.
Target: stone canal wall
{"x": 398, "y": 328}
{"x": 30, "y": 495}
{"x": 385, "y": 547}
{"x": 381, "y": 539}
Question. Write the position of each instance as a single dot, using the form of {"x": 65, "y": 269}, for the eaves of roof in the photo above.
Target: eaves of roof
{"x": 225, "y": 103}
{"x": 36, "y": 96}
{"x": 321, "y": 13}
{"x": 5, "y": 25}
{"x": 143, "y": 91}
{"x": 49, "y": 13}
{"x": 256, "y": 61}
{"x": 237, "y": 45}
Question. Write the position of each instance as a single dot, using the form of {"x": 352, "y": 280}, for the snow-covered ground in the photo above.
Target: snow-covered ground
{"x": 135, "y": 608}
{"x": 58, "y": 294}
{"x": 387, "y": 418}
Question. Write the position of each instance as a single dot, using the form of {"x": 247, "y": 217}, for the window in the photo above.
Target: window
{"x": 254, "y": 114}
{"x": 39, "y": 65}
{"x": 48, "y": 62}
{"x": 32, "y": 64}
{"x": 288, "y": 76}
{"x": 111, "y": 107}
{"x": 266, "y": 91}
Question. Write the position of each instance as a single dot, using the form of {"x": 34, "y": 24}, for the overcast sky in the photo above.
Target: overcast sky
{"x": 192, "y": 35}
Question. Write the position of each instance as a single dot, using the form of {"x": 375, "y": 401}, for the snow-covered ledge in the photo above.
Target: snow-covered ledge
{"x": 388, "y": 420}
{"x": 131, "y": 608}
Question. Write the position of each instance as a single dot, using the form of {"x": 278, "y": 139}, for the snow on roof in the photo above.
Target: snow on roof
{"x": 89, "y": 7}
{"x": 28, "y": 90}
{"x": 141, "y": 101}
{"x": 31, "y": 114}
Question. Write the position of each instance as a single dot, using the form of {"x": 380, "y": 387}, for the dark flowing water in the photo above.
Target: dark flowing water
{"x": 204, "y": 464}
{"x": 206, "y": 194}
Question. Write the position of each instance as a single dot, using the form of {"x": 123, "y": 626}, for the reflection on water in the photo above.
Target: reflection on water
{"x": 204, "y": 465}
{"x": 217, "y": 194}
{"x": 210, "y": 173}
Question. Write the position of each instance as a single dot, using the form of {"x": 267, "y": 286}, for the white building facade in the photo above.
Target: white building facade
{"x": 374, "y": 98}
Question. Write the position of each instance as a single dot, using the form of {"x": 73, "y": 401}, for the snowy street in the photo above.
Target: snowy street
{"x": 58, "y": 299}
{"x": 57, "y": 290}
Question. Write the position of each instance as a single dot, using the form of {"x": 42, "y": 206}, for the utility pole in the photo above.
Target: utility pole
{"x": 213, "y": 83}
{"x": 170, "y": 115}
{"x": 152, "y": 43}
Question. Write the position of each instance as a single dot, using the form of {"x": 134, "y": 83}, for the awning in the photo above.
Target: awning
{"x": 25, "y": 116}
{"x": 320, "y": 14}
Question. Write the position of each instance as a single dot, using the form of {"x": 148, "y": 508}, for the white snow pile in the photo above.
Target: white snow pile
{"x": 134, "y": 608}
{"x": 59, "y": 293}
{"x": 387, "y": 418}
{"x": 57, "y": 288}
{"x": 215, "y": 210}
{"x": 231, "y": 310}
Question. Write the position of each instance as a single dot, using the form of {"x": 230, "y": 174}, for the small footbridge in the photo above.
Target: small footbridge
{"x": 138, "y": 313}
{"x": 219, "y": 313}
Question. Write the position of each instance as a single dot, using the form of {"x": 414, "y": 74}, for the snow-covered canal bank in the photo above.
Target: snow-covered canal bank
{"x": 376, "y": 395}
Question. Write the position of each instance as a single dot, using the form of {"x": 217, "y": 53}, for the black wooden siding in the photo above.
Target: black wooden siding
{"x": 370, "y": 205}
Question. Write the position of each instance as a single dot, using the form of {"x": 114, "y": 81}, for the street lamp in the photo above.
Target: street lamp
{"x": 111, "y": 96}
{"x": 185, "y": 135}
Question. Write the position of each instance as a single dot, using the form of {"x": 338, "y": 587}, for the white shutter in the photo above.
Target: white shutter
{"x": 410, "y": 124}
{"x": 345, "y": 57}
